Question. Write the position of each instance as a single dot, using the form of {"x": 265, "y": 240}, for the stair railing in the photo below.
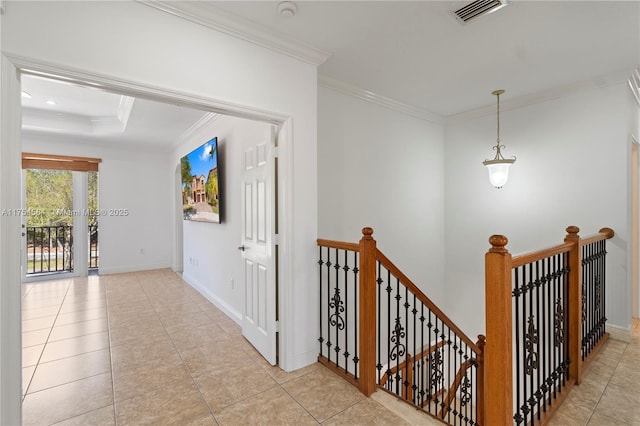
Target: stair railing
{"x": 378, "y": 330}
{"x": 545, "y": 321}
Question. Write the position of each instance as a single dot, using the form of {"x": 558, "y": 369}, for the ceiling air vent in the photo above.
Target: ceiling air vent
{"x": 478, "y": 8}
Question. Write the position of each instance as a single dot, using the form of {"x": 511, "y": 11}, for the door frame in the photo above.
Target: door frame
{"x": 12, "y": 67}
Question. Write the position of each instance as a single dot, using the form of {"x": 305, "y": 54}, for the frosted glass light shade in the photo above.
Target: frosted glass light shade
{"x": 498, "y": 171}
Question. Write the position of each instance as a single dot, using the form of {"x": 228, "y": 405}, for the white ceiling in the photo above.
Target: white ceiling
{"x": 94, "y": 115}
{"x": 418, "y": 53}
{"x": 414, "y": 52}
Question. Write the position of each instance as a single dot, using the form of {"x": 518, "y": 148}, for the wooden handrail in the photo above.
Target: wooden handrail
{"x": 603, "y": 234}
{"x": 411, "y": 359}
{"x": 534, "y": 256}
{"x": 397, "y": 273}
{"x": 523, "y": 259}
{"x": 341, "y": 245}
{"x": 448, "y": 399}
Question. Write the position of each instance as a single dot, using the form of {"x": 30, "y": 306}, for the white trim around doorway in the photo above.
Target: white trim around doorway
{"x": 10, "y": 195}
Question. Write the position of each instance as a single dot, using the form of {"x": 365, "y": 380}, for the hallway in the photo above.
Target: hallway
{"x": 146, "y": 348}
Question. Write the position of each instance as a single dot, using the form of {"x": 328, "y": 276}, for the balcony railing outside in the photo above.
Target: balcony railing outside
{"x": 93, "y": 247}
{"x": 50, "y": 249}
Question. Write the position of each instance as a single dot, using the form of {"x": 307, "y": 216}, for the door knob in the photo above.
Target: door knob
{"x": 242, "y": 248}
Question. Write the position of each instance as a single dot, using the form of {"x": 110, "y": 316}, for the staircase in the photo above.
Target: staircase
{"x": 378, "y": 330}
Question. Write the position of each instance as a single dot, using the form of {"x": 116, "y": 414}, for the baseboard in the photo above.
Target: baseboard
{"x": 231, "y": 312}
{"x": 131, "y": 268}
{"x": 618, "y": 333}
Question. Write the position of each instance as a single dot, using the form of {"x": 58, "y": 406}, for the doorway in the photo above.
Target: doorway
{"x": 11, "y": 227}
{"x": 59, "y": 205}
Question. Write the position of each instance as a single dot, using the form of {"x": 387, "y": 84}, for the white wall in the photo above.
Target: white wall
{"x": 135, "y": 45}
{"x": 135, "y": 180}
{"x": 571, "y": 169}
{"x": 210, "y": 256}
{"x": 380, "y": 168}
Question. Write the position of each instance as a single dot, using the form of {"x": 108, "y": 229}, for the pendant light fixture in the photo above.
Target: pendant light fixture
{"x": 498, "y": 167}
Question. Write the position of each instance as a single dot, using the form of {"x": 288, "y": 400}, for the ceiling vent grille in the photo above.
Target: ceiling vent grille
{"x": 478, "y": 8}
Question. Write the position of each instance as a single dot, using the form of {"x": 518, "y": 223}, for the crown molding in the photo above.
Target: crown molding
{"x": 206, "y": 120}
{"x": 204, "y": 13}
{"x": 541, "y": 97}
{"x": 366, "y": 95}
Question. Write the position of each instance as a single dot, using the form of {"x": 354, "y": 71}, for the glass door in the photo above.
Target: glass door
{"x": 48, "y": 222}
{"x": 60, "y": 223}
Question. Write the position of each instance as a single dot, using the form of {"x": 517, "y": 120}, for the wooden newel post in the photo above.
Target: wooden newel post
{"x": 367, "y": 324}
{"x": 574, "y": 321}
{"x": 498, "y": 351}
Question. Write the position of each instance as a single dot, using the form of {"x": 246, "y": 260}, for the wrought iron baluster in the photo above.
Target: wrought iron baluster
{"x": 356, "y": 284}
{"x": 406, "y": 343}
{"x": 396, "y": 336}
{"x": 586, "y": 278}
{"x": 546, "y": 321}
{"x": 603, "y": 259}
{"x": 388, "y": 289}
{"x": 564, "y": 353}
{"x": 346, "y": 268}
{"x": 379, "y": 282}
{"x": 516, "y": 293}
{"x": 430, "y": 393}
{"x": 337, "y": 304}
{"x": 438, "y": 364}
{"x": 473, "y": 414}
{"x": 414, "y": 379}
{"x": 589, "y": 297}
{"x": 540, "y": 341}
{"x": 42, "y": 251}
{"x": 33, "y": 230}
{"x": 523, "y": 323}
{"x": 328, "y": 265}
{"x": 320, "y": 262}
{"x": 422, "y": 371}
{"x": 451, "y": 368}
{"x": 558, "y": 326}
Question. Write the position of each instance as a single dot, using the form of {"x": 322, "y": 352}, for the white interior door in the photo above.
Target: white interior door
{"x": 259, "y": 316}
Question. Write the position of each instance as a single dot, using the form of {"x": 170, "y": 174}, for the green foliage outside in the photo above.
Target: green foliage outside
{"x": 49, "y": 197}
{"x": 92, "y": 197}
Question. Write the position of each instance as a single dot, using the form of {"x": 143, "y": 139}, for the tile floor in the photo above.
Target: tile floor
{"x": 146, "y": 348}
{"x": 609, "y": 394}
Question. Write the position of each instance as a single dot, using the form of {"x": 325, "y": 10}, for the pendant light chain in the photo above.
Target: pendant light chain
{"x": 499, "y": 166}
{"x": 498, "y": 121}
